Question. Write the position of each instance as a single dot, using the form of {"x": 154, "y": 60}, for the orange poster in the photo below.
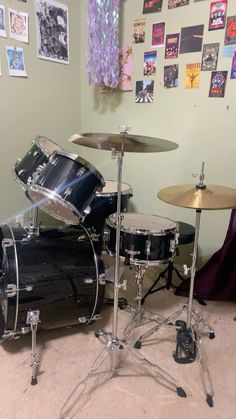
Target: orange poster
{"x": 192, "y": 76}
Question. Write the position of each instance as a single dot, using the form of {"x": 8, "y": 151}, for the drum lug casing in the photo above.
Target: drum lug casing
{"x": 7, "y": 243}
{"x": 12, "y": 290}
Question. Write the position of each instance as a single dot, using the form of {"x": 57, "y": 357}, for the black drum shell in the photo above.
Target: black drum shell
{"x": 71, "y": 180}
{"x": 60, "y": 268}
{"x": 28, "y": 165}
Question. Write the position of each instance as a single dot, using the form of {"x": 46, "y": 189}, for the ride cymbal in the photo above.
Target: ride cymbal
{"x": 123, "y": 142}
{"x": 190, "y": 196}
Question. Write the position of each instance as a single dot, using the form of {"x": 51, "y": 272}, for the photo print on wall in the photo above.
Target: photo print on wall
{"x": 16, "y": 62}
{"x": 233, "y": 67}
{"x": 230, "y": 31}
{"x": 144, "y": 91}
{"x": 192, "y": 76}
{"x": 172, "y": 4}
{"x": 151, "y": 6}
{"x": 218, "y": 83}
{"x": 158, "y": 34}
{"x": 2, "y": 22}
{"x": 217, "y": 16}
{"x": 210, "y": 56}
{"x": 191, "y": 39}
{"x": 171, "y": 74}
{"x": 172, "y": 46}
{"x": 149, "y": 67}
{"x": 139, "y": 31}
{"x": 18, "y": 25}
{"x": 52, "y": 27}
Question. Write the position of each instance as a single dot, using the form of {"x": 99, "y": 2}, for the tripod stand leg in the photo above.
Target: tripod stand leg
{"x": 200, "y": 319}
{"x": 33, "y": 320}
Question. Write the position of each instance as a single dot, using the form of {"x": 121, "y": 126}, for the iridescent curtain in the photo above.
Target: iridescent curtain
{"x": 103, "y": 44}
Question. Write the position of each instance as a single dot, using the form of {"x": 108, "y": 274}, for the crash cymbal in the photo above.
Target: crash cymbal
{"x": 123, "y": 142}
{"x": 190, "y": 196}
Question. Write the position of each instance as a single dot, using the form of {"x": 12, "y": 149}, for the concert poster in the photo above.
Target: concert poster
{"x": 218, "y": 83}
{"x": 210, "y": 56}
{"x": 149, "y": 67}
{"x": 171, "y": 74}
{"x": 230, "y": 32}
{"x": 172, "y": 46}
{"x": 217, "y": 16}
{"x": 151, "y": 6}
{"x": 192, "y": 76}
{"x": 144, "y": 91}
{"x": 139, "y": 31}
{"x": 172, "y": 4}
{"x": 158, "y": 34}
{"x": 191, "y": 39}
{"x": 233, "y": 68}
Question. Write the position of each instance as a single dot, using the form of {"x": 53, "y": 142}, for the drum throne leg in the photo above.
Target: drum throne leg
{"x": 33, "y": 320}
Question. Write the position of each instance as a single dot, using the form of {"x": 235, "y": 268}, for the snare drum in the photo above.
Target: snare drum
{"x": 148, "y": 239}
{"x": 59, "y": 272}
{"x": 65, "y": 187}
{"x": 27, "y": 169}
{"x": 105, "y": 204}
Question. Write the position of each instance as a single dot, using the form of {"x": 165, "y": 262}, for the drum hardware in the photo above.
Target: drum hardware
{"x": 33, "y": 320}
{"x": 118, "y": 144}
{"x": 188, "y": 338}
{"x": 12, "y": 290}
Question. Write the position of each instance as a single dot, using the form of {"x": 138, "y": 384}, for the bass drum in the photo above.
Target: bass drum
{"x": 59, "y": 272}
{"x": 147, "y": 239}
{"x": 27, "y": 169}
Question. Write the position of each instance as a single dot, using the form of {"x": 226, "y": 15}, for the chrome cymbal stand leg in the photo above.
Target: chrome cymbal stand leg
{"x": 33, "y": 320}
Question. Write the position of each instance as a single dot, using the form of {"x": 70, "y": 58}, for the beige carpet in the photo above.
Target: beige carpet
{"x": 66, "y": 356}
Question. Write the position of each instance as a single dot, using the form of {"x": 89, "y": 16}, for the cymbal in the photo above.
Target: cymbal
{"x": 123, "y": 142}
{"x": 189, "y": 196}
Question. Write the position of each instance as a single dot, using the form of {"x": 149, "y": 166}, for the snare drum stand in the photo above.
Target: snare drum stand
{"x": 188, "y": 345}
{"x": 113, "y": 343}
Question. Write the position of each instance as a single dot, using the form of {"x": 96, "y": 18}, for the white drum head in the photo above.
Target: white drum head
{"x": 46, "y": 145}
{"x": 135, "y": 223}
{"x": 111, "y": 186}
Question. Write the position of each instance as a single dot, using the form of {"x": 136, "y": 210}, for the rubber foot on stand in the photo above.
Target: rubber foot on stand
{"x": 34, "y": 381}
{"x": 209, "y": 400}
{"x": 211, "y": 335}
{"x": 181, "y": 392}
{"x": 138, "y": 344}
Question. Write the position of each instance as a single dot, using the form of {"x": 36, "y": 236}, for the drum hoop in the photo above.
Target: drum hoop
{"x": 17, "y": 178}
{"x": 114, "y": 193}
{"x": 36, "y": 141}
{"x": 139, "y": 230}
{"x": 46, "y": 192}
{"x": 84, "y": 162}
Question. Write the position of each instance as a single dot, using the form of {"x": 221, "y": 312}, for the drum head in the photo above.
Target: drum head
{"x": 135, "y": 223}
{"x": 47, "y": 146}
{"x": 54, "y": 205}
{"x": 111, "y": 186}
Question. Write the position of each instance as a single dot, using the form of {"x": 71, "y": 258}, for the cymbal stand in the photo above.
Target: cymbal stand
{"x": 113, "y": 343}
{"x": 188, "y": 345}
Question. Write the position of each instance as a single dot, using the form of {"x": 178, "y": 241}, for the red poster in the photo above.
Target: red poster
{"x": 217, "y": 16}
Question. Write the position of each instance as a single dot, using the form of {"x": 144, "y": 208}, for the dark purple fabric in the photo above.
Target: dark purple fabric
{"x": 217, "y": 279}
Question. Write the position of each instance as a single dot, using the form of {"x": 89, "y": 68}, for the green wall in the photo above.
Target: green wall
{"x": 56, "y": 101}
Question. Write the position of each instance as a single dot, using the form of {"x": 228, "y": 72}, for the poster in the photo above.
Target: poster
{"x": 233, "y": 67}
{"x": 172, "y": 46}
{"x": 217, "y": 16}
{"x": 18, "y": 25}
{"x": 218, "y": 83}
{"x": 126, "y": 69}
{"x": 2, "y": 22}
{"x": 191, "y": 39}
{"x": 151, "y": 6}
{"x": 172, "y": 4}
{"x": 192, "y": 76}
{"x": 16, "y": 62}
{"x": 52, "y": 27}
{"x": 0, "y": 67}
{"x": 149, "y": 67}
{"x": 144, "y": 91}
{"x": 210, "y": 56}
{"x": 158, "y": 34}
{"x": 230, "y": 31}
{"x": 171, "y": 74}
{"x": 139, "y": 31}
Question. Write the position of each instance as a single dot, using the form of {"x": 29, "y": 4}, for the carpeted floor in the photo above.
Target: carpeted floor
{"x": 67, "y": 355}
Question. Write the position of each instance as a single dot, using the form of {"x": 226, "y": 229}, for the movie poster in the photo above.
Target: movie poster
{"x": 192, "y": 76}
{"x": 18, "y": 25}
{"x": 218, "y": 83}
{"x": 2, "y": 22}
{"x": 171, "y": 74}
{"x": 139, "y": 31}
{"x": 172, "y": 46}
{"x": 210, "y": 56}
{"x": 191, "y": 39}
{"x": 149, "y": 67}
{"x": 233, "y": 68}
{"x": 158, "y": 34}
{"x": 151, "y": 6}
{"x": 172, "y": 4}
{"x": 230, "y": 31}
{"x": 52, "y": 24}
{"x": 144, "y": 91}
{"x": 217, "y": 14}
